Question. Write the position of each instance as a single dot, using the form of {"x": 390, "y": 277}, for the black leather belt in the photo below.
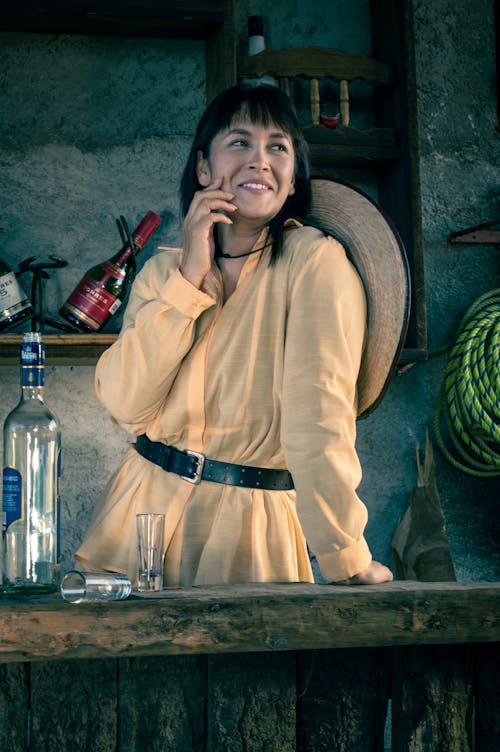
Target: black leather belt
{"x": 195, "y": 467}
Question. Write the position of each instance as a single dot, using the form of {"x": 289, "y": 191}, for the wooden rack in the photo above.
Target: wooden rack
{"x": 344, "y": 144}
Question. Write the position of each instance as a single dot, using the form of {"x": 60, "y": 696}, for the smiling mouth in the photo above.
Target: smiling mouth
{"x": 256, "y": 186}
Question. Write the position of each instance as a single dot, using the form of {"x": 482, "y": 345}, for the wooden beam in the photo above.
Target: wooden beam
{"x": 60, "y": 349}
{"x": 149, "y": 18}
{"x": 316, "y": 62}
{"x": 251, "y": 618}
{"x": 476, "y": 236}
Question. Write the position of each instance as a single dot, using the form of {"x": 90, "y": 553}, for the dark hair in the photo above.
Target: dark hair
{"x": 260, "y": 104}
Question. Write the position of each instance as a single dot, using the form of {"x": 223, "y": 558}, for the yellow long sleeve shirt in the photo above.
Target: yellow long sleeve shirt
{"x": 267, "y": 378}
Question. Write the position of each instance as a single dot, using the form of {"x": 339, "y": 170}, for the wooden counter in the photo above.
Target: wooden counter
{"x": 268, "y": 668}
{"x": 250, "y": 618}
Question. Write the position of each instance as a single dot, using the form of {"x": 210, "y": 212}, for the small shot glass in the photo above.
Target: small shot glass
{"x": 150, "y": 553}
{"x": 88, "y": 587}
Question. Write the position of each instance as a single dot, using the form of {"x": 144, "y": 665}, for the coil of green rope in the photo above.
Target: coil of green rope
{"x": 467, "y": 417}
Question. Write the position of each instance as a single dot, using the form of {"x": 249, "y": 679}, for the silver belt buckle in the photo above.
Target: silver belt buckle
{"x": 199, "y": 467}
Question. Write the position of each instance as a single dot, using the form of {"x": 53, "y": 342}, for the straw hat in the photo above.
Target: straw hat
{"x": 376, "y": 250}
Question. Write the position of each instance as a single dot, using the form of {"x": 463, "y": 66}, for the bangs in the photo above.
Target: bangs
{"x": 266, "y": 113}
{"x": 260, "y": 105}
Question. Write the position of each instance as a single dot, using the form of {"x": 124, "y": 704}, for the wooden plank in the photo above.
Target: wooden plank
{"x": 316, "y": 62}
{"x": 479, "y": 236}
{"x": 342, "y": 698}
{"x": 319, "y": 134}
{"x": 73, "y": 706}
{"x": 14, "y": 702}
{"x": 154, "y": 18}
{"x": 251, "y": 618}
{"x": 432, "y": 700}
{"x": 162, "y": 704}
{"x": 252, "y": 703}
{"x": 60, "y": 349}
{"x": 393, "y": 42}
{"x": 220, "y": 54}
{"x": 329, "y": 155}
{"x": 486, "y": 662}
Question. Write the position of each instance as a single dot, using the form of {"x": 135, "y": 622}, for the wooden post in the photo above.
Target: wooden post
{"x": 344, "y": 103}
{"x": 486, "y": 662}
{"x": 432, "y": 702}
{"x": 315, "y": 101}
{"x": 162, "y": 704}
{"x": 73, "y": 706}
{"x": 432, "y": 687}
{"x": 14, "y": 704}
{"x": 252, "y": 703}
{"x": 342, "y": 698}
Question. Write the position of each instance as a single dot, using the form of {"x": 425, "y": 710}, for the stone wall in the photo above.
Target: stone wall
{"x": 91, "y": 128}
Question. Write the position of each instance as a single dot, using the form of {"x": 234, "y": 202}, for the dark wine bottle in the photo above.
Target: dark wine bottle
{"x": 14, "y": 303}
{"x": 105, "y": 286}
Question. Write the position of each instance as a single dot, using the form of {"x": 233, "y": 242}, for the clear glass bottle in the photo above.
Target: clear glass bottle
{"x": 256, "y": 40}
{"x": 31, "y": 475}
{"x": 14, "y": 303}
{"x": 105, "y": 286}
{"x": 256, "y": 44}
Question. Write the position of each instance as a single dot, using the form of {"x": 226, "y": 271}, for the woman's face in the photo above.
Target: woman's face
{"x": 256, "y": 163}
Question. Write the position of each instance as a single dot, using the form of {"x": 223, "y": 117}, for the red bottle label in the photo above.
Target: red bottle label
{"x": 92, "y": 304}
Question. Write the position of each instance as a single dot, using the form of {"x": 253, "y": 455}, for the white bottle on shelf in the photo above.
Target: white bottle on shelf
{"x": 256, "y": 44}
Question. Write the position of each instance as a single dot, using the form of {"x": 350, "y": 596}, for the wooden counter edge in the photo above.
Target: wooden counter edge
{"x": 249, "y": 618}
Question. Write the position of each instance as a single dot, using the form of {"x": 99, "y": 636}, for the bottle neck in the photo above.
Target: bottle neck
{"x": 32, "y": 393}
{"x": 32, "y": 366}
{"x": 140, "y": 237}
{"x": 33, "y": 378}
{"x": 121, "y": 258}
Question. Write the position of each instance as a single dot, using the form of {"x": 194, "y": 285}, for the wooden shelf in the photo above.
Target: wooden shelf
{"x": 158, "y": 18}
{"x": 315, "y": 62}
{"x": 350, "y": 146}
{"x": 60, "y": 349}
{"x": 85, "y": 349}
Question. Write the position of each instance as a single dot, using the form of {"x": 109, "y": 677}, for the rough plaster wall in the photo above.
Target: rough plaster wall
{"x": 70, "y": 165}
{"x": 460, "y": 182}
{"x": 91, "y": 128}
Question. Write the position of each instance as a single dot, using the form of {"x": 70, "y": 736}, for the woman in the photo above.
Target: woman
{"x": 244, "y": 349}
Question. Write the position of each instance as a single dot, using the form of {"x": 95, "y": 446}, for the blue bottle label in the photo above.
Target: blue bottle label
{"x": 58, "y": 509}
{"x": 32, "y": 363}
{"x": 12, "y": 496}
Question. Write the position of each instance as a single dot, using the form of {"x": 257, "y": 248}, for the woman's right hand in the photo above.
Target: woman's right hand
{"x": 208, "y": 207}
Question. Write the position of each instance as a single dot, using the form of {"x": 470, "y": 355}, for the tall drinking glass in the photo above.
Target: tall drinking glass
{"x": 150, "y": 553}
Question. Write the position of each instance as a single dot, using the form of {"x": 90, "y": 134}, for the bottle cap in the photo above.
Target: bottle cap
{"x": 255, "y": 26}
{"x": 145, "y": 229}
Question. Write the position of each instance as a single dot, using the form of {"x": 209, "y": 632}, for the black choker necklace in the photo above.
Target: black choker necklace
{"x": 219, "y": 254}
